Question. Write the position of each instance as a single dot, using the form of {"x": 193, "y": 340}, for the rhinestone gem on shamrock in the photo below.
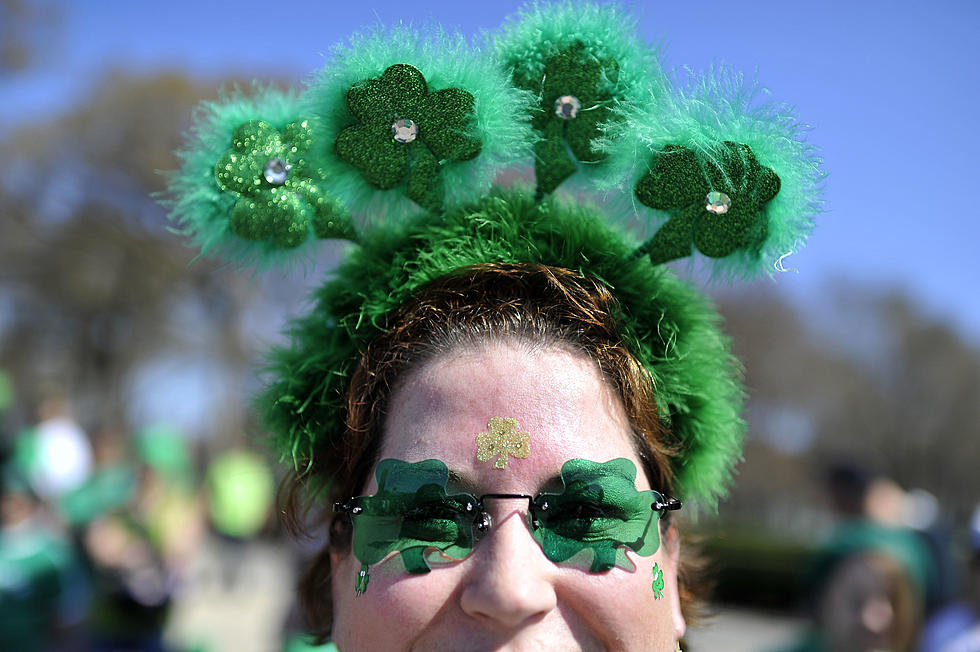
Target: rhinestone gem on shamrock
{"x": 694, "y": 193}
{"x": 405, "y": 134}
{"x": 573, "y": 106}
{"x": 278, "y": 195}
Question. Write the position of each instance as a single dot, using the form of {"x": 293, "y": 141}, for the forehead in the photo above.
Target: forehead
{"x": 557, "y": 396}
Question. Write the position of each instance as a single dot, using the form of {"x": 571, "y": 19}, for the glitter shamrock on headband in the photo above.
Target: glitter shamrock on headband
{"x": 403, "y": 131}
{"x": 585, "y": 69}
{"x": 720, "y": 210}
{"x": 278, "y": 196}
{"x": 574, "y": 103}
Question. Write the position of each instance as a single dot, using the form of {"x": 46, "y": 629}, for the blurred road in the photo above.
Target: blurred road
{"x": 739, "y": 630}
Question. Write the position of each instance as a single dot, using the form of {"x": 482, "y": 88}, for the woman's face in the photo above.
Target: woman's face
{"x": 507, "y": 595}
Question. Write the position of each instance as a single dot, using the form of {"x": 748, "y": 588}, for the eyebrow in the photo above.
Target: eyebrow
{"x": 461, "y": 483}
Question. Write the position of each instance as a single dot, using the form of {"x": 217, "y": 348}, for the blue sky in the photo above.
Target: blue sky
{"x": 888, "y": 87}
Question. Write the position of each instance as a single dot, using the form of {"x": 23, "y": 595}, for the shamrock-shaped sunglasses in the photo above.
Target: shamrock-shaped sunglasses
{"x": 598, "y": 514}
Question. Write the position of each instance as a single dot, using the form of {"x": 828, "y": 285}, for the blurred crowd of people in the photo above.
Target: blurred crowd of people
{"x": 888, "y": 577}
{"x": 134, "y": 541}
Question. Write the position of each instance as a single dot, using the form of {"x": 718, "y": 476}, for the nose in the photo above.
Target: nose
{"x": 510, "y": 582}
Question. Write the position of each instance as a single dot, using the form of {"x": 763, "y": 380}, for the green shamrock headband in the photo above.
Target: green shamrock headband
{"x": 396, "y": 145}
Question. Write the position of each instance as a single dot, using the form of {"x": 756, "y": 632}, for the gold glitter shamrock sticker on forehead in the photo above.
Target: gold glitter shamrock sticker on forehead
{"x": 501, "y": 440}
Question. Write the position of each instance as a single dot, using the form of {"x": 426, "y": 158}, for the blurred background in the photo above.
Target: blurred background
{"x": 126, "y": 367}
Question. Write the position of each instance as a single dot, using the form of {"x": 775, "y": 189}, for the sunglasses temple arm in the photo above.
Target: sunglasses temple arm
{"x": 669, "y": 504}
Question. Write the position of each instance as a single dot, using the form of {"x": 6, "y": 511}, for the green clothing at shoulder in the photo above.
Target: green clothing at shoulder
{"x": 34, "y": 565}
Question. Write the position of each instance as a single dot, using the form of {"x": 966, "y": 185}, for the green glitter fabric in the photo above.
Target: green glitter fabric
{"x": 678, "y": 182}
{"x": 591, "y": 53}
{"x": 222, "y": 201}
{"x": 278, "y": 210}
{"x": 472, "y": 121}
{"x": 710, "y": 110}
{"x": 565, "y": 140}
{"x": 441, "y": 117}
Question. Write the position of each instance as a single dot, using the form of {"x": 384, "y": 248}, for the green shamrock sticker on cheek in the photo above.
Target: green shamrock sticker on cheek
{"x": 658, "y": 581}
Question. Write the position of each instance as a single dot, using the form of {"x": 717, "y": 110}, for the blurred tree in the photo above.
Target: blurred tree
{"x": 866, "y": 376}
{"x": 929, "y": 380}
{"x": 26, "y": 30}
{"x": 92, "y": 282}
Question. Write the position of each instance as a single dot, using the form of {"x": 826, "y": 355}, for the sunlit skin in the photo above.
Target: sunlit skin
{"x": 507, "y": 595}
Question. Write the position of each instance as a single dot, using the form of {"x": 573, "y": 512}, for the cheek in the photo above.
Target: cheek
{"x": 618, "y": 608}
{"x": 622, "y": 608}
{"x": 393, "y": 596}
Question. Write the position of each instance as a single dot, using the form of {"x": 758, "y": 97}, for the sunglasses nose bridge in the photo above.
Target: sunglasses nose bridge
{"x": 484, "y": 521}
